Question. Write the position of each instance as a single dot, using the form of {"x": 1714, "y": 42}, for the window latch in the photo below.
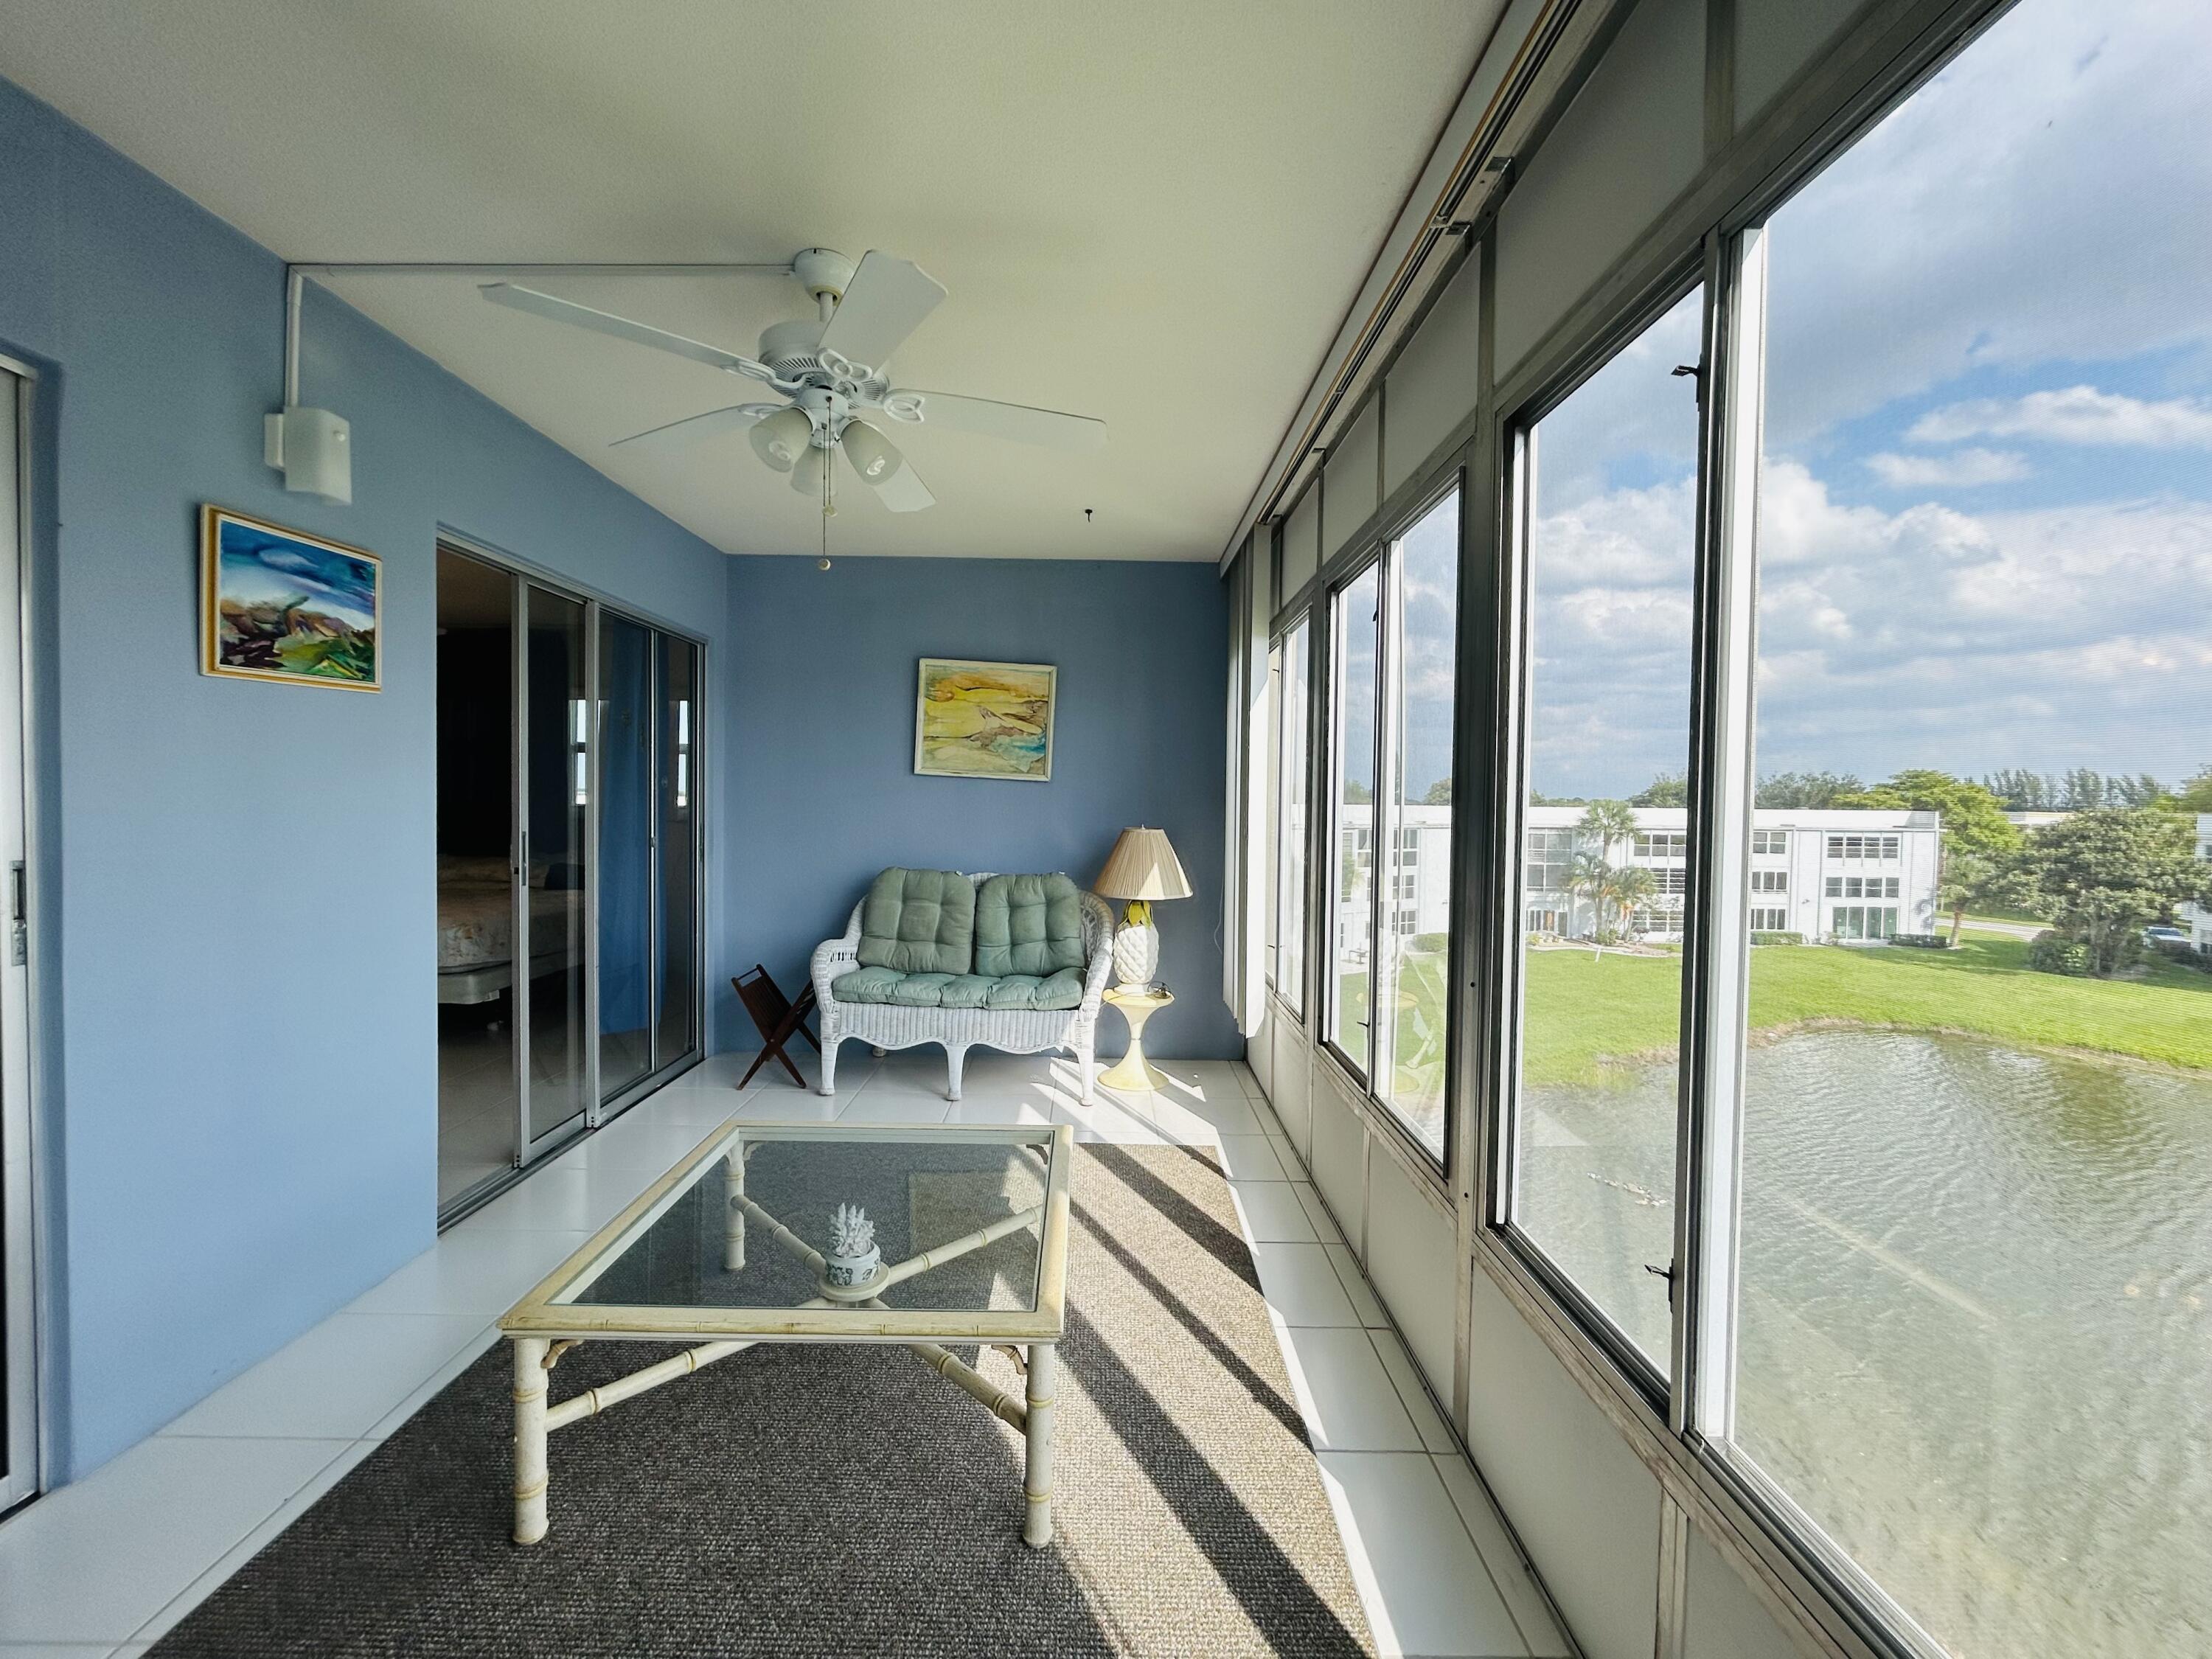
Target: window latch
{"x": 1666, "y": 1273}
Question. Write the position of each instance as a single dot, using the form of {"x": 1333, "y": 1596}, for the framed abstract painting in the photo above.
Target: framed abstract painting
{"x": 276, "y": 605}
{"x": 984, "y": 719}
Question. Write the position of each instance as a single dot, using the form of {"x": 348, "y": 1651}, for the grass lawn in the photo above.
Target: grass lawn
{"x": 1583, "y": 1011}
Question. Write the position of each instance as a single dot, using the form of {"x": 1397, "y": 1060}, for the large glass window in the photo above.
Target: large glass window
{"x": 1975, "y": 1252}
{"x": 1421, "y": 569}
{"x": 1355, "y": 665}
{"x": 1609, "y": 555}
{"x": 1291, "y": 707}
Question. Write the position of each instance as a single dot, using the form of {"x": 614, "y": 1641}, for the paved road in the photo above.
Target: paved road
{"x": 2017, "y": 929}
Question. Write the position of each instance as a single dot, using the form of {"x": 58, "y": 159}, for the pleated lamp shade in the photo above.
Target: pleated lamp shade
{"x": 1142, "y": 865}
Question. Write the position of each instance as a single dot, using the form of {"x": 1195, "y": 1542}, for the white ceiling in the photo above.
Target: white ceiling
{"x": 1152, "y": 212}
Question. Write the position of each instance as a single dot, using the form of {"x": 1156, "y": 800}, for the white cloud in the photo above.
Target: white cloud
{"x": 2028, "y": 205}
{"x": 1965, "y": 468}
{"x": 2074, "y": 415}
{"x": 2067, "y": 635}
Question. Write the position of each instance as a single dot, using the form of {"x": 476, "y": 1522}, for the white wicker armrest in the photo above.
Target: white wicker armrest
{"x": 834, "y": 957}
{"x": 1102, "y": 954}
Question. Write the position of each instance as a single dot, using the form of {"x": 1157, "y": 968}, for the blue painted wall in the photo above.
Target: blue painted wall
{"x": 820, "y": 791}
{"x": 237, "y": 882}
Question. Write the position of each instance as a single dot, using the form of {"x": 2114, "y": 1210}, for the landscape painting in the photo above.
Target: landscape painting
{"x": 984, "y": 719}
{"x": 279, "y": 605}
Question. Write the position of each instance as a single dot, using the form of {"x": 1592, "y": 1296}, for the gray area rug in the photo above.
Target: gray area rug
{"x": 807, "y": 1501}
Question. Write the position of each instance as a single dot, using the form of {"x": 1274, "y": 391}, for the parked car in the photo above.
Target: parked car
{"x": 2164, "y": 935}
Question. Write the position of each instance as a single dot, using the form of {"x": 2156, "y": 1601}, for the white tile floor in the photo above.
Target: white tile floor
{"x": 105, "y": 1566}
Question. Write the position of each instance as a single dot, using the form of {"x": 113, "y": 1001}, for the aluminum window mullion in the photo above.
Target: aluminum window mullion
{"x": 1517, "y": 446}
{"x": 518, "y": 845}
{"x": 1390, "y": 785}
{"x": 595, "y": 707}
{"x": 1716, "y": 955}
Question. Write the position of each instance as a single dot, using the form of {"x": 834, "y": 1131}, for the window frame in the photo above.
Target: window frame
{"x": 1376, "y": 550}
{"x": 1332, "y": 599}
{"x": 1628, "y": 1366}
{"x": 1681, "y": 1426}
{"x": 1293, "y": 991}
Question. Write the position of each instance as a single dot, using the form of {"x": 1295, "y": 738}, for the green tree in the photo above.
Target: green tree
{"x": 1667, "y": 789}
{"x": 2103, "y": 875}
{"x": 1605, "y": 822}
{"x": 1632, "y": 885}
{"x": 1439, "y": 793}
{"x": 1973, "y": 818}
{"x": 1804, "y": 791}
{"x": 2194, "y": 794}
{"x": 1969, "y": 879}
{"x": 1611, "y": 888}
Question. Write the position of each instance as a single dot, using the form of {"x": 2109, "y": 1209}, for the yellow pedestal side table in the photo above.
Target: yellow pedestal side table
{"x": 1133, "y": 1071}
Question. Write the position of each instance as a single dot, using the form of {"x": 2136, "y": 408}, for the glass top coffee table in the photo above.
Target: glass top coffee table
{"x": 753, "y": 1237}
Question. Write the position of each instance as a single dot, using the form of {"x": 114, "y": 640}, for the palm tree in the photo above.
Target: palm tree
{"x": 1631, "y": 884}
{"x": 1605, "y": 822}
{"x": 1588, "y": 876}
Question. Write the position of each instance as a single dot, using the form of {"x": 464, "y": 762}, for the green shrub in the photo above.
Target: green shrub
{"x": 1431, "y": 944}
{"x": 1925, "y": 941}
{"x": 2049, "y": 953}
{"x": 1769, "y": 936}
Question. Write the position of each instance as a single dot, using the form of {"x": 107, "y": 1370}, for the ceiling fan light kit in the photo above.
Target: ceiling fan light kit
{"x": 828, "y": 368}
{"x": 781, "y": 438}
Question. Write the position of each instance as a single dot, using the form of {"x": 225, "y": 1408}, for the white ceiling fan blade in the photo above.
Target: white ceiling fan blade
{"x": 1017, "y": 422}
{"x": 620, "y": 328}
{"x": 692, "y": 427}
{"x": 884, "y": 302}
{"x": 904, "y": 491}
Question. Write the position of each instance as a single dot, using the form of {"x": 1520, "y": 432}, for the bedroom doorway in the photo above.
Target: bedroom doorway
{"x": 568, "y": 880}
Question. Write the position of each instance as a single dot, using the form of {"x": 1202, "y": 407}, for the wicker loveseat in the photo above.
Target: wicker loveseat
{"x": 1015, "y": 963}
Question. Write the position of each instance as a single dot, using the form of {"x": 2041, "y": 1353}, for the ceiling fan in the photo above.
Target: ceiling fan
{"x": 828, "y": 369}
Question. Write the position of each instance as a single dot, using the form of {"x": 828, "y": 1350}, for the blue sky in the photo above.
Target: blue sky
{"x": 1986, "y": 509}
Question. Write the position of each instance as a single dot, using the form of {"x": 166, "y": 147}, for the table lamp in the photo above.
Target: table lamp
{"x": 1141, "y": 867}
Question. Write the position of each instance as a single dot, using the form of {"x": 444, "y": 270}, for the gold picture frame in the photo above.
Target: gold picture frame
{"x": 984, "y": 720}
{"x": 277, "y": 604}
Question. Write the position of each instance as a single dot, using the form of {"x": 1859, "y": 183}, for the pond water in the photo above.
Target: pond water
{"x": 1976, "y": 1325}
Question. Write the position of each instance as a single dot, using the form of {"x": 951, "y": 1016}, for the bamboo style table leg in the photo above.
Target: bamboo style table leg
{"x": 1037, "y": 1480}
{"x": 733, "y": 1193}
{"x": 529, "y": 1473}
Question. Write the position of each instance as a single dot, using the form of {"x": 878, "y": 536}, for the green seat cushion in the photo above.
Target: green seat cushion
{"x": 1028, "y": 924}
{"x": 920, "y": 990}
{"x": 966, "y": 991}
{"x": 865, "y": 985}
{"x": 919, "y": 922}
{"x": 1013, "y": 991}
{"x": 1061, "y": 990}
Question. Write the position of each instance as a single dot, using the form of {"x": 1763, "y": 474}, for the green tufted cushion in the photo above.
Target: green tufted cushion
{"x": 1030, "y": 925}
{"x": 965, "y": 991}
{"x": 865, "y": 985}
{"x": 919, "y": 922}
{"x": 1061, "y": 990}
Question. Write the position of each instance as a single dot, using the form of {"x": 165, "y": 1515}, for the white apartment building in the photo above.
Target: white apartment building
{"x": 1846, "y": 876}
{"x": 2196, "y": 917}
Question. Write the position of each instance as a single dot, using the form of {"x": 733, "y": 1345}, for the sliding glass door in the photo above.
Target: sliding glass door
{"x": 626, "y": 860}
{"x": 568, "y": 948}
{"x": 551, "y": 897}
{"x": 676, "y": 1026}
